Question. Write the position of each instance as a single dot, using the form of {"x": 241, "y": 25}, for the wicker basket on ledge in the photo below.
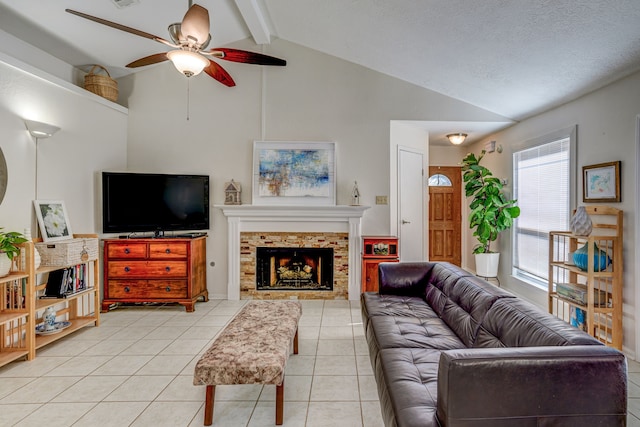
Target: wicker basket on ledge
{"x": 101, "y": 85}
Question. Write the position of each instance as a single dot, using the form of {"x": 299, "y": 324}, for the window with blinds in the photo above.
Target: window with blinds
{"x": 542, "y": 187}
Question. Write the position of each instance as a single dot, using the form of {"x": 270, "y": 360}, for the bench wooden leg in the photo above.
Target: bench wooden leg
{"x": 208, "y": 405}
{"x": 280, "y": 403}
{"x": 295, "y": 342}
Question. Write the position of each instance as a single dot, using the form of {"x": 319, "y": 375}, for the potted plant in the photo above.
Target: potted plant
{"x": 9, "y": 241}
{"x": 491, "y": 212}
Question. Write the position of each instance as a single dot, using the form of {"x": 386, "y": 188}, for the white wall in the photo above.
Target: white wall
{"x": 606, "y": 121}
{"x": 417, "y": 139}
{"x": 92, "y": 138}
{"x": 316, "y": 97}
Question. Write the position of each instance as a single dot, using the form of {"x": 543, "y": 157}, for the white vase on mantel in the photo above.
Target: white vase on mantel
{"x": 36, "y": 255}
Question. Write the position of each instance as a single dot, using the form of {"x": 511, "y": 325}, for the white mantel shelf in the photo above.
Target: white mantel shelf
{"x": 340, "y": 218}
{"x": 287, "y": 212}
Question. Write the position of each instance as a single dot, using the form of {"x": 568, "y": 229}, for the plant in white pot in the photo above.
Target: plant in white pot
{"x": 491, "y": 211}
{"x": 9, "y": 241}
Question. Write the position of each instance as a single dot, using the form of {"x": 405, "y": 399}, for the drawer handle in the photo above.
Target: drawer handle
{"x": 127, "y": 269}
{"x": 168, "y": 251}
{"x": 127, "y": 251}
{"x": 167, "y": 269}
{"x": 168, "y": 289}
{"x": 126, "y": 289}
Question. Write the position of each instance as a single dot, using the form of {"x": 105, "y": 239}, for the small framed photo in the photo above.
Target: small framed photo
{"x": 601, "y": 182}
{"x": 53, "y": 220}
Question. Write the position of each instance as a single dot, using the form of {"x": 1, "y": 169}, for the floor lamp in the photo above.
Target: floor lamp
{"x": 39, "y": 131}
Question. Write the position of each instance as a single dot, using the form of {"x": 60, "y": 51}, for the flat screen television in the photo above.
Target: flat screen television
{"x": 143, "y": 202}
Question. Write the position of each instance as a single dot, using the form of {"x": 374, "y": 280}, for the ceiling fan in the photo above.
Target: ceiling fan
{"x": 189, "y": 38}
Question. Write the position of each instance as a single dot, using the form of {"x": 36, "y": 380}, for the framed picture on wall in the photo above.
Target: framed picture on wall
{"x": 294, "y": 173}
{"x": 53, "y": 220}
{"x": 601, "y": 182}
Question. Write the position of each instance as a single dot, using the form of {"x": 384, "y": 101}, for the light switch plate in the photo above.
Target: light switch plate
{"x": 381, "y": 200}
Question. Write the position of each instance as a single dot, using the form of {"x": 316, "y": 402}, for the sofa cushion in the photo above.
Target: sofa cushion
{"x": 409, "y": 386}
{"x": 513, "y": 322}
{"x": 405, "y": 279}
{"x": 374, "y": 304}
{"x": 411, "y": 332}
{"x": 462, "y": 302}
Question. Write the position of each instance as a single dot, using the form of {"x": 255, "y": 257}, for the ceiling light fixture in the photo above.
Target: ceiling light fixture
{"x": 40, "y": 130}
{"x": 188, "y": 63}
{"x": 457, "y": 138}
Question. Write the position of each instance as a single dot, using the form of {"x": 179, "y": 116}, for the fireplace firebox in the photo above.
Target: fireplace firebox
{"x": 294, "y": 269}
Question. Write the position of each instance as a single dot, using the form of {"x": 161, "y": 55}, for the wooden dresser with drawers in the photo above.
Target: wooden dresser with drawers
{"x": 155, "y": 270}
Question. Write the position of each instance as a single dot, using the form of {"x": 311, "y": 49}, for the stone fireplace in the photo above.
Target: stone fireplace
{"x": 294, "y": 269}
{"x": 309, "y": 227}
{"x": 325, "y": 254}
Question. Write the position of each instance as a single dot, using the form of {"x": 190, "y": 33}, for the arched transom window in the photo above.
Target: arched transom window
{"x": 439, "y": 180}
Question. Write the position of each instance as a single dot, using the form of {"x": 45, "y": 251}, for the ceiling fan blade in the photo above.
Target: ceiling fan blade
{"x": 195, "y": 24}
{"x": 119, "y": 27}
{"x": 219, "y": 73}
{"x": 247, "y": 57}
{"x": 148, "y": 60}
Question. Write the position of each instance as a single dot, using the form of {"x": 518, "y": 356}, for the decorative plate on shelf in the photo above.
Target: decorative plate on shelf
{"x": 58, "y": 327}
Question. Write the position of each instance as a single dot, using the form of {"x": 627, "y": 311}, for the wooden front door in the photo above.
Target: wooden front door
{"x": 445, "y": 194}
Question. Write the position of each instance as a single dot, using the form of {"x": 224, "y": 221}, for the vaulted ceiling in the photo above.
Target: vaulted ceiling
{"x": 512, "y": 57}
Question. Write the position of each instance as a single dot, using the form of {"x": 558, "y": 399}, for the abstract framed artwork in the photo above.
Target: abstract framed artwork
{"x": 53, "y": 220}
{"x": 601, "y": 182}
{"x": 294, "y": 173}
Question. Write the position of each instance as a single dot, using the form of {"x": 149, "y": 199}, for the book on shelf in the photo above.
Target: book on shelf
{"x": 578, "y": 293}
{"x": 66, "y": 281}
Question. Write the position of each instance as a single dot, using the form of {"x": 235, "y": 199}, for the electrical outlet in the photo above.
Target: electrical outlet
{"x": 381, "y": 200}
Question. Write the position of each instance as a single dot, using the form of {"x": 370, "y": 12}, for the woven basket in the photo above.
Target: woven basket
{"x": 103, "y": 86}
{"x": 68, "y": 252}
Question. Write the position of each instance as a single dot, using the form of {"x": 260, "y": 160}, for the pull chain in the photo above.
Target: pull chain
{"x": 188, "y": 98}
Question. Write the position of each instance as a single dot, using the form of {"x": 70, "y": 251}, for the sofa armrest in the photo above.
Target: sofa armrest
{"x": 573, "y": 385}
{"x": 403, "y": 278}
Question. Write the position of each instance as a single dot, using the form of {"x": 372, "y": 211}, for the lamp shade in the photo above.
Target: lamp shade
{"x": 456, "y": 138}
{"x": 39, "y": 129}
{"x": 188, "y": 63}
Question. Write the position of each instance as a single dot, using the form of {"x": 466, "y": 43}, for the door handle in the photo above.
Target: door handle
{"x": 404, "y": 221}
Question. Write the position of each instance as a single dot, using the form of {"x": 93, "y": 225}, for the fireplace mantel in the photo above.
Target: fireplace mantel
{"x": 340, "y": 218}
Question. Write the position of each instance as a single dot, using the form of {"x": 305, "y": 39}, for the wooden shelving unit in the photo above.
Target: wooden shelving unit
{"x": 16, "y": 322}
{"x": 21, "y": 308}
{"x": 595, "y": 298}
{"x": 81, "y": 308}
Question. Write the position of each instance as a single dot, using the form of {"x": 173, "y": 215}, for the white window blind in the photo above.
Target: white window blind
{"x": 542, "y": 188}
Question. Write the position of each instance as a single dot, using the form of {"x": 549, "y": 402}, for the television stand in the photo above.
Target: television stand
{"x": 155, "y": 270}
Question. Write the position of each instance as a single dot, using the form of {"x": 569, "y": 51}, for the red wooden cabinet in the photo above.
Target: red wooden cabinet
{"x": 155, "y": 270}
{"x": 376, "y": 249}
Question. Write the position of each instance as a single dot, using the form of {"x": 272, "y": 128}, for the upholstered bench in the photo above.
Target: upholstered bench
{"x": 252, "y": 349}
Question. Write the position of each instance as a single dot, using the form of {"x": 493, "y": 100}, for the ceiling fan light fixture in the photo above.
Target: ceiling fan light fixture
{"x": 188, "y": 63}
{"x": 175, "y": 33}
{"x": 457, "y": 138}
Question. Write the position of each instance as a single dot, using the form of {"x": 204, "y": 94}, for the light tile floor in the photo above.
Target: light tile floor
{"x": 136, "y": 369}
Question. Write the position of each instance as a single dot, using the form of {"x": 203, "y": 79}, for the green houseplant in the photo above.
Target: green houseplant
{"x": 491, "y": 211}
{"x": 9, "y": 241}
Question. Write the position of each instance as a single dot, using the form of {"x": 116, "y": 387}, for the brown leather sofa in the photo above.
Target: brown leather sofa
{"x": 449, "y": 349}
